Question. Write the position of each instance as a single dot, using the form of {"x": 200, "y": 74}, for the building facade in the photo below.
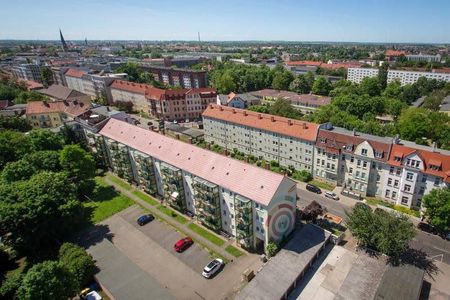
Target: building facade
{"x": 424, "y": 57}
{"x": 184, "y": 78}
{"x": 27, "y": 72}
{"x": 251, "y": 205}
{"x": 130, "y": 92}
{"x": 405, "y": 77}
{"x": 289, "y": 142}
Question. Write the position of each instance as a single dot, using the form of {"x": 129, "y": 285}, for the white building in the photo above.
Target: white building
{"x": 27, "y": 72}
{"x": 289, "y": 142}
{"x": 250, "y": 204}
{"x": 405, "y": 77}
{"x": 424, "y": 57}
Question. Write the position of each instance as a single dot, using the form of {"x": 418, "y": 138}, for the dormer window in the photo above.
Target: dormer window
{"x": 398, "y": 158}
{"x": 349, "y": 147}
{"x": 378, "y": 154}
{"x": 434, "y": 167}
{"x": 364, "y": 152}
{"x": 323, "y": 140}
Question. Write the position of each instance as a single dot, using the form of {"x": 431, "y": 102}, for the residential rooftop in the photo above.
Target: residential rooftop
{"x": 61, "y": 92}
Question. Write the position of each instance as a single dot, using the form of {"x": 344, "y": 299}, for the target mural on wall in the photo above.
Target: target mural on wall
{"x": 280, "y": 221}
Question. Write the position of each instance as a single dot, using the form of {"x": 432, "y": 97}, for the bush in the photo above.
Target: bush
{"x": 302, "y": 175}
{"x": 272, "y": 249}
{"x": 78, "y": 262}
{"x": 10, "y": 285}
{"x": 312, "y": 211}
{"x": 274, "y": 163}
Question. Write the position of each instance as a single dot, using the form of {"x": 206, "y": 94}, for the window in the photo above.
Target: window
{"x": 363, "y": 175}
{"x": 350, "y": 170}
{"x": 364, "y": 164}
{"x": 357, "y": 174}
{"x": 405, "y": 200}
{"x": 399, "y": 171}
{"x": 396, "y": 183}
{"x": 437, "y": 181}
{"x": 422, "y": 190}
{"x": 358, "y": 163}
{"x": 388, "y": 193}
{"x": 394, "y": 195}
{"x": 391, "y": 170}
{"x": 407, "y": 188}
{"x": 409, "y": 176}
{"x": 389, "y": 181}
{"x": 364, "y": 152}
{"x": 378, "y": 154}
{"x": 424, "y": 178}
{"x": 352, "y": 159}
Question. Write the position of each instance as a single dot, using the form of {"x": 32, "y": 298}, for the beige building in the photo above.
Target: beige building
{"x": 130, "y": 92}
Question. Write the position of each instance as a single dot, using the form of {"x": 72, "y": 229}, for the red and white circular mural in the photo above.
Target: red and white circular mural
{"x": 280, "y": 221}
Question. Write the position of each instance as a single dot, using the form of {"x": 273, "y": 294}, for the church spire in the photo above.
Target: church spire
{"x": 63, "y": 42}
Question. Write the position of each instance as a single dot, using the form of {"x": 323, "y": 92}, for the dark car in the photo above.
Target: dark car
{"x": 142, "y": 220}
{"x": 426, "y": 227}
{"x": 313, "y": 188}
{"x": 183, "y": 244}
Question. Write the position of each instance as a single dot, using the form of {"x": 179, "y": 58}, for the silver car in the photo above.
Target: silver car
{"x": 331, "y": 195}
{"x": 212, "y": 268}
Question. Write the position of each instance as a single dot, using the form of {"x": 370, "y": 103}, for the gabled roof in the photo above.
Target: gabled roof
{"x": 71, "y": 108}
{"x": 61, "y": 92}
{"x": 439, "y": 158}
{"x": 138, "y": 88}
{"x": 293, "y": 97}
{"x": 75, "y": 73}
{"x": 340, "y": 139}
{"x": 244, "y": 179}
{"x": 394, "y": 53}
{"x": 284, "y": 126}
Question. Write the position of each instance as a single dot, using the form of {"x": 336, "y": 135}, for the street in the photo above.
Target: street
{"x": 435, "y": 247}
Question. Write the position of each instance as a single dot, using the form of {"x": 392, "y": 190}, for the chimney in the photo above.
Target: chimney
{"x": 259, "y": 116}
{"x": 434, "y": 147}
{"x": 108, "y": 109}
{"x": 210, "y": 105}
{"x": 221, "y": 108}
{"x": 190, "y": 141}
{"x": 75, "y": 102}
{"x": 177, "y": 136}
{"x": 151, "y": 127}
{"x": 267, "y": 166}
{"x": 304, "y": 126}
{"x": 272, "y": 118}
{"x": 66, "y": 103}
{"x": 246, "y": 159}
{"x": 163, "y": 132}
{"x": 354, "y": 132}
{"x": 289, "y": 122}
{"x": 208, "y": 146}
{"x": 245, "y": 113}
{"x": 396, "y": 139}
{"x": 45, "y": 103}
{"x": 225, "y": 152}
{"x": 234, "y": 111}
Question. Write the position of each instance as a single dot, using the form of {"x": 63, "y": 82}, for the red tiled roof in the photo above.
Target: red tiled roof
{"x": 344, "y": 65}
{"x": 75, "y": 73}
{"x": 293, "y": 97}
{"x": 32, "y": 85}
{"x": 288, "y": 127}
{"x": 305, "y": 63}
{"x": 71, "y": 108}
{"x": 341, "y": 141}
{"x": 394, "y": 53}
{"x": 138, "y": 88}
{"x": 428, "y": 157}
{"x": 244, "y": 179}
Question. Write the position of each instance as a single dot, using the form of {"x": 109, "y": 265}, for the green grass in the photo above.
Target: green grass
{"x": 206, "y": 234}
{"x": 119, "y": 182}
{"x": 179, "y": 218}
{"x": 145, "y": 197}
{"x": 105, "y": 202}
{"x": 323, "y": 185}
{"x": 234, "y": 251}
{"x": 375, "y": 201}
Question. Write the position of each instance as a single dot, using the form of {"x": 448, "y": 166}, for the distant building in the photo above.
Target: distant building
{"x": 405, "y": 77}
{"x": 59, "y": 92}
{"x": 30, "y": 72}
{"x": 424, "y": 57}
{"x": 184, "y": 78}
{"x": 392, "y": 55}
{"x": 238, "y": 100}
{"x": 63, "y": 42}
{"x": 130, "y": 92}
{"x": 445, "y": 105}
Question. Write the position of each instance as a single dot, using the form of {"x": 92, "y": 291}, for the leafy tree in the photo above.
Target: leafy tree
{"x": 77, "y": 162}
{"x": 39, "y": 212}
{"x": 126, "y": 106}
{"x": 272, "y": 249}
{"x": 393, "y": 90}
{"x": 46, "y": 76}
{"x": 321, "y": 86}
{"x": 382, "y": 76}
{"x": 69, "y": 135}
{"x": 14, "y": 123}
{"x": 17, "y": 170}
{"x": 48, "y": 280}
{"x": 25, "y": 97}
{"x": 434, "y": 100}
{"x": 360, "y": 222}
{"x": 312, "y": 211}
{"x": 283, "y": 107}
{"x": 132, "y": 70}
{"x": 77, "y": 261}
{"x": 226, "y": 84}
{"x": 43, "y": 139}
{"x": 370, "y": 86}
{"x": 437, "y": 208}
{"x": 300, "y": 85}
{"x": 394, "y": 107}
{"x": 8, "y": 92}
{"x": 410, "y": 93}
{"x": 414, "y": 124}
{"x": 282, "y": 80}
{"x": 13, "y": 146}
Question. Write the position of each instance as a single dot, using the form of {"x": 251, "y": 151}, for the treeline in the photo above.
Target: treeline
{"x": 16, "y": 92}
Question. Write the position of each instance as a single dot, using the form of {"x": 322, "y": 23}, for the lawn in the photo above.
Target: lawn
{"x": 375, "y": 201}
{"x": 323, "y": 185}
{"x": 206, "y": 234}
{"x": 105, "y": 202}
{"x": 234, "y": 251}
{"x": 119, "y": 182}
{"x": 179, "y": 218}
{"x": 145, "y": 197}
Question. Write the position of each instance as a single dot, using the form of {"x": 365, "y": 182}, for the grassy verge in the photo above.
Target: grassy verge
{"x": 119, "y": 182}
{"x": 206, "y": 234}
{"x": 145, "y": 197}
{"x": 234, "y": 251}
{"x": 323, "y": 185}
{"x": 375, "y": 201}
{"x": 179, "y": 218}
{"x": 105, "y": 202}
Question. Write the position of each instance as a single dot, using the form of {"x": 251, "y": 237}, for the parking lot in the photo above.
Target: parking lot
{"x": 158, "y": 271}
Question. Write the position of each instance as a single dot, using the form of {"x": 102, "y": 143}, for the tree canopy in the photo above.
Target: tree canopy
{"x": 77, "y": 261}
{"x": 437, "y": 208}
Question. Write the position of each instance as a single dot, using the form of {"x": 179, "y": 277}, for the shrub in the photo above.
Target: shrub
{"x": 10, "y": 285}
{"x": 274, "y": 163}
{"x": 312, "y": 211}
{"x": 302, "y": 175}
{"x": 78, "y": 262}
{"x": 272, "y": 249}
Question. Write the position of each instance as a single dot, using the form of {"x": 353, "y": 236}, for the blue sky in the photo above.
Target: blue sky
{"x": 295, "y": 20}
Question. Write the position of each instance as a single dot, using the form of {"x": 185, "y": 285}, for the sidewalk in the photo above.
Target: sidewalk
{"x": 182, "y": 227}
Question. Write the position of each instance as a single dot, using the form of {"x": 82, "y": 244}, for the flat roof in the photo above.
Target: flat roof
{"x": 278, "y": 275}
{"x": 400, "y": 282}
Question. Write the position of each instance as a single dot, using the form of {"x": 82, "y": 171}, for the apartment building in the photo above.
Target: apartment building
{"x": 353, "y": 160}
{"x": 51, "y": 114}
{"x": 289, "y": 142}
{"x": 414, "y": 170}
{"x": 424, "y": 57}
{"x": 60, "y": 93}
{"x": 251, "y": 205}
{"x": 27, "y": 72}
{"x": 130, "y": 92}
{"x": 179, "y": 104}
{"x": 184, "y": 78}
{"x": 405, "y": 77}
{"x": 238, "y": 100}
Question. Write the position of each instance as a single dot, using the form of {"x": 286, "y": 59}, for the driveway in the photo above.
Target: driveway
{"x": 161, "y": 273}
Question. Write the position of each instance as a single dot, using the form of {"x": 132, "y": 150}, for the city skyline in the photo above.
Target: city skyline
{"x": 347, "y": 21}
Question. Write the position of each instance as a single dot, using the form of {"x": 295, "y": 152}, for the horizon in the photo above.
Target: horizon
{"x": 349, "y": 21}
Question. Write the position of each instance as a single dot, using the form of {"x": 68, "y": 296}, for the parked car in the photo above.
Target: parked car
{"x": 144, "y": 219}
{"x": 331, "y": 195}
{"x": 212, "y": 268}
{"x": 426, "y": 227}
{"x": 313, "y": 188}
{"x": 183, "y": 244}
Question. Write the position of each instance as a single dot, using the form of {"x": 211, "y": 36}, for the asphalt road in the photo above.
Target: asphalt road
{"x": 435, "y": 247}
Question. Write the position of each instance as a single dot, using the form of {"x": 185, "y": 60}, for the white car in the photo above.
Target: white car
{"x": 212, "y": 268}
{"x": 331, "y": 195}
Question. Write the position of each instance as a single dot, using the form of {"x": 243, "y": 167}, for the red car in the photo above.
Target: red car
{"x": 183, "y": 244}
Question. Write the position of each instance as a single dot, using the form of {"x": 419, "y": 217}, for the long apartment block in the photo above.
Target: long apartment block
{"x": 289, "y": 142}
{"x": 250, "y": 204}
{"x": 405, "y": 77}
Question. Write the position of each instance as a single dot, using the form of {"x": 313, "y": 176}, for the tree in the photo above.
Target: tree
{"x": 382, "y": 75}
{"x": 132, "y": 70}
{"x": 321, "y": 86}
{"x": 300, "y": 85}
{"x": 17, "y": 170}
{"x": 48, "y": 280}
{"x": 312, "y": 211}
{"x": 414, "y": 124}
{"x": 282, "y": 80}
{"x": 77, "y": 162}
{"x": 381, "y": 231}
{"x": 13, "y": 146}
{"x": 25, "y": 96}
{"x": 272, "y": 249}
{"x": 46, "y": 76}
{"x": 77, "y": 261}
{"x": 394, "y": 107}
{"x": 14, "y": 123}
{"x": 437, "y": 208}
{"x": 283, "y": 108}
{"x": 126, "y": 106}
{"x": 38, "y": 213}
{"x": 393, "y": 90}
{"x": 370, "y": 86}
{"x": 44, "y": 139}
